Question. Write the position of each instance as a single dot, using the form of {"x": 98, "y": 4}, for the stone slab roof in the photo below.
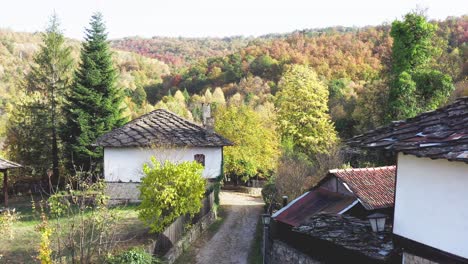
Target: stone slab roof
{"x": 374, "y": 187}
{"x": 439, "y": 134}
{"x": 350, "y": 233}
{"x": 161, "y": 128}
{"x": 6, "y": 164}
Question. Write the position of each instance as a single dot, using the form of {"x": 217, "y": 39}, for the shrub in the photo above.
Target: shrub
{"x": 169, "y": 190}
{"x": 269, "y": 192}
{"x": 133, "y": 256}
{"x": 83, "y": 227}
{"x": 7, "y": 219}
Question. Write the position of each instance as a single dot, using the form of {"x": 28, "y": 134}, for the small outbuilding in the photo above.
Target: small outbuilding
{"x": 356, "y": 191}
{"x": 165, "y": 136}
{"x": 5, "y": 165}
{"x": 329, "y": 224}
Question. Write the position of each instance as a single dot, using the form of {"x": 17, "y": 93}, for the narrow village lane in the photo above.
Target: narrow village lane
{"x": 232, "y": 242}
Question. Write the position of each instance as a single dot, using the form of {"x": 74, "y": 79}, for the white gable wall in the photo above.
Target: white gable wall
{"x": 431, "y": 205}
{"x": 125, "y": 164}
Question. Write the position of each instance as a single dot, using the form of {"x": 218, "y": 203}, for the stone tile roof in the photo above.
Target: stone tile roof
{"x": 161, "y": 128}
{"x": 350, "y": 233}
{"x": 439, "y": 134}
{"x": 374, "y": 187}
{"x": 6, "y": 164}
{"x": 311, "y": 203}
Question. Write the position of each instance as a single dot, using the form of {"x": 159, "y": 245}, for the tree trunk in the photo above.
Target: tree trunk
{"x": 55, "y": 157}
{"x": 55, "y": 154}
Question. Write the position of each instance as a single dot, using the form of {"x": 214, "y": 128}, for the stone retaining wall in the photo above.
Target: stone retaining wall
{"x": 253, "y": 191}
{"x": 281, "y": 253}
{"x": 122, "y": 192}
{"x": 193, "y": 234}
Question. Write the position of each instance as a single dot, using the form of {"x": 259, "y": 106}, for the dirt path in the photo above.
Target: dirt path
{"x": 232, "y": 242}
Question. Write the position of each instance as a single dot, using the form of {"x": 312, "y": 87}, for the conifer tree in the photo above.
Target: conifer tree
{"x": 94, "y": 105}
{"x": 39, "y": 115}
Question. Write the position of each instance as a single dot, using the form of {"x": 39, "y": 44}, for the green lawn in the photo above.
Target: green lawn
{"x": 23, "y": 247}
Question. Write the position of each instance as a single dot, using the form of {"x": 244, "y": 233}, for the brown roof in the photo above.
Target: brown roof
{"x": 350, "y": 233}
{"x": 439, "y": 134}
{"x": 374, "y": 187}
{"x": 161, "y": 128}
{"x": 311, "y": 203}
{"x": 6, "y": 164}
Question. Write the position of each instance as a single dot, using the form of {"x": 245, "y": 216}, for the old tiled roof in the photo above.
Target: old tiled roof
{"x": 161, "y": 128}
{"x": 374, "y": 187}
{"x": 6, "y": 164}
{"x": 313, "y": 202}
{"x": 350, "y": 233}
{"x": 439, "y": 134}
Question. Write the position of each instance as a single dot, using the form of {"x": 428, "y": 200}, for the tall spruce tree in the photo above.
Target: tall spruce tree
{"x": 38, "y": 112}
{"x": 94, "y": 105}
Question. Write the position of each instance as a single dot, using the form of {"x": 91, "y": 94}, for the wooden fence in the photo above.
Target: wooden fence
{"x": 175, "y": 231}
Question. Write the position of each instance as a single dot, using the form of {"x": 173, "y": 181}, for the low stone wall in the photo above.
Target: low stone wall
{"x": 122, "y": 192}
{"x": 253, "y": 191}
{"x": 281, "y": 253}
{"x": 193, "y": 234}
{"x": 409, "y": 258}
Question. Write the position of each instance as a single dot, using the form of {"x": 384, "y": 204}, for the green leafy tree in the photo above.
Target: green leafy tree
{"x": 412, "y": 44}
{"x": 415, "y": 87}
{"x": 139, "y": 95}
{"x": 303, "y": 112}
{"x": 94, "y": 106}
{"x": 169, "y": 190}
{"x": 46, "y": 86}
{"x": 256, "y": 144}
{"x": 218, "y": 97}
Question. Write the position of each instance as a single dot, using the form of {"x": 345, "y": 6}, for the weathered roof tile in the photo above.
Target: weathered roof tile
{"x": 375, "y": 187}
{"x": 161, "y": 128}
{"x": 437, "y": 134}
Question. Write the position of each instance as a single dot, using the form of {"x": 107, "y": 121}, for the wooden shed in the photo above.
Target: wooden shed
{"x": 5, "y": 165}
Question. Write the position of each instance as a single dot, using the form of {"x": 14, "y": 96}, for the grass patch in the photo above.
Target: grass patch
{"x": 190, "y": 254}
{"x": 255, "y": 253}
{"x": 23, "y": 247}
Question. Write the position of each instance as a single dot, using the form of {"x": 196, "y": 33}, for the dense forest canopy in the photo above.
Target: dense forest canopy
{"x": 356, "y": 63}
{"x": 355, "y": 69}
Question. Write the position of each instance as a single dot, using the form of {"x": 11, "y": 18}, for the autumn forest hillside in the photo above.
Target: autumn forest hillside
{"x": 354, "y": 64}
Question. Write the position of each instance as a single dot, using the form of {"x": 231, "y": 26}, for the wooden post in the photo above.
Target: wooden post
{"x": 5, "y": 187}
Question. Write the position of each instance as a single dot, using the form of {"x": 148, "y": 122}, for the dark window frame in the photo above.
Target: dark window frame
{"x": 200, "y": 158}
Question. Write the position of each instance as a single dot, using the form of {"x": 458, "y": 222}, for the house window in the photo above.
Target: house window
{"x": 200, "y": 158}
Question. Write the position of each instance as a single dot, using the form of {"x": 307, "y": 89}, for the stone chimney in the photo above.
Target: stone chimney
{"x": 208, "y": 121}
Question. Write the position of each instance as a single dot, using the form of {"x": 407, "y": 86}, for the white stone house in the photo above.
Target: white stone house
{"x": 431, "y": 196}
{"x": 163, "y": 135}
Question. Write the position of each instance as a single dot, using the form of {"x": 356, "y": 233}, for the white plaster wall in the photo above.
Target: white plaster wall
{"x": 431, "y": 205}
{"x": 125, "y": 164}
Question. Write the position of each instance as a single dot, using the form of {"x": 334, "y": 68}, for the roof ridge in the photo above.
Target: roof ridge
{"x": 361, "y": 169}
{"x": 180, "y": 117}
{"x": 162, "y": 127}
{"x": 429, "y": 134}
